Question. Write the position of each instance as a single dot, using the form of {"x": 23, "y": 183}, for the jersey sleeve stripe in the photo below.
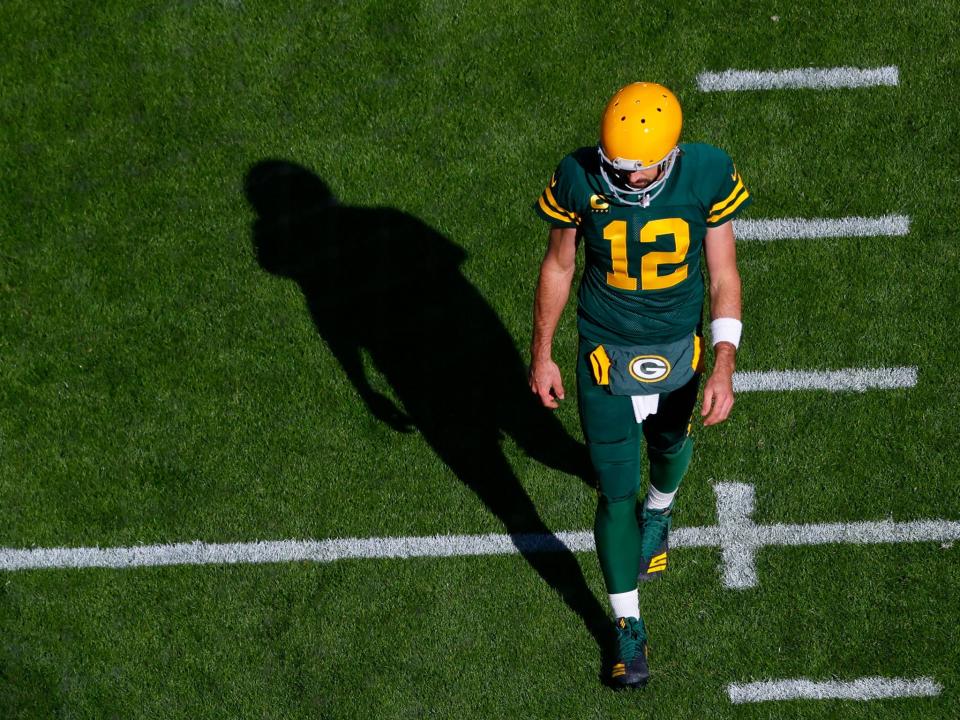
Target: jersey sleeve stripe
{"x": 720, "y": 215}
{"x": 717, "y": 207}
{"x": 548, "y": 195}
{"x": 553, "y": 213}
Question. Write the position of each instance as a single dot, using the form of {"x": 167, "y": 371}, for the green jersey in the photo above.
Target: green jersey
{"x": 643, "y": 280}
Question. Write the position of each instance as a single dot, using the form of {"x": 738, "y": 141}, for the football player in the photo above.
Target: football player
{"x": 649, "y": 212}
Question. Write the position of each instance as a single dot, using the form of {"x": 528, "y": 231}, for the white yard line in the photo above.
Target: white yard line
{"x": 278, "y": 551}
{"x": 808, "y": 228}
{"x": 870, "y": 688}
{"x": 848, "y": 379}
{"x": 735, "y": 534}
{"x": 813, "y": 78}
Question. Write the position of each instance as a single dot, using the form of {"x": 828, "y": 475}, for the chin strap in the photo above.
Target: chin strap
{"x": 632, "y": 196}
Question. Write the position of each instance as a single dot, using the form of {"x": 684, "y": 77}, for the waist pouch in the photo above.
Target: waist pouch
{"x": 647, "y": 369}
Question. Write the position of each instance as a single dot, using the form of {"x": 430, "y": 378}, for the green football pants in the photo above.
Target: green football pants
{"x": 613, "y": 439}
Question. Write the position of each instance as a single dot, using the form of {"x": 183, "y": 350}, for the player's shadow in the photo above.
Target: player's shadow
{"x": 381, "y": 281}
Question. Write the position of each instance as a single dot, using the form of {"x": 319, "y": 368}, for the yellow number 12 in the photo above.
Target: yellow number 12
{"x": 650, "y": 277}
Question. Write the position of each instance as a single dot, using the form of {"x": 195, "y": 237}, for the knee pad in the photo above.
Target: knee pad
{"x": 616, "y": 510}
{"x": 667, "y": 449}
{"x": 668, "y": 468}
{"x": 617, "y": 465}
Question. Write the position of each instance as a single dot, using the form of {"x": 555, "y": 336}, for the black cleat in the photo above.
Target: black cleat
{"x": 630, "y": 670}
{"x": 654, "y": 542}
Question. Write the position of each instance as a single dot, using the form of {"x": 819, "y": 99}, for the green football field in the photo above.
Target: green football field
{"x": 266, "y": 274}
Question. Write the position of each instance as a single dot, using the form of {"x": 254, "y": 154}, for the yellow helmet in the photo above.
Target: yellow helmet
{"x": 639, "y": 130}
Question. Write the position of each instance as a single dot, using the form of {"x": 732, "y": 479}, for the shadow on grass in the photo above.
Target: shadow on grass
{"x": 381, "y": 281}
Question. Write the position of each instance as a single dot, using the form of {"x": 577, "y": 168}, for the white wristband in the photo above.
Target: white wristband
{"x": 726, "y": 330}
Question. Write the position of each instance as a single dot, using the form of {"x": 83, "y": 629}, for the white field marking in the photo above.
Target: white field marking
{"x": 738, "y": 544}
{"x": 279, "y": 551}
{"x": 804, "y": 228}
{"x": 740, "y": 538}
{"x": 813, "y": 78}
{"x": 848, "y": 379}
{"x": 735, "y": 534}
{"x": 869, "y": 688}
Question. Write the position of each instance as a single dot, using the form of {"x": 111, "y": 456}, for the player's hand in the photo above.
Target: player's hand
{"x": 718, "y": 396}
{"x": 545, "y": 382}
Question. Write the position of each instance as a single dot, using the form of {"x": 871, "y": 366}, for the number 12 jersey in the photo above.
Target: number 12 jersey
{"x": 643, "y": 279}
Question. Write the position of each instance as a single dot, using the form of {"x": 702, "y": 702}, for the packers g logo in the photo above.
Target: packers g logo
{"x": 598, "y": 203}
{"x": 649, "y": 368}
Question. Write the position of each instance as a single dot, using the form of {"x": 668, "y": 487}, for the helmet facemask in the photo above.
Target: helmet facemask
{"x": 616, "y": 171}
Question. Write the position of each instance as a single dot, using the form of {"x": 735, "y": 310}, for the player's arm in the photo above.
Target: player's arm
{"x": 553, "y": 290}
{"x": 724, "y": 303}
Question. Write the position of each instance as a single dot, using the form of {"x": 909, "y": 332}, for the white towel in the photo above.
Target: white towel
{"x": 644, "y": 405}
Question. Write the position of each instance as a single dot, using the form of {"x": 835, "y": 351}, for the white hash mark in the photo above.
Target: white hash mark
{"x": 813, "y": 228}
{"x": 869, "y": 688}
{"x": 795, "y": 78}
